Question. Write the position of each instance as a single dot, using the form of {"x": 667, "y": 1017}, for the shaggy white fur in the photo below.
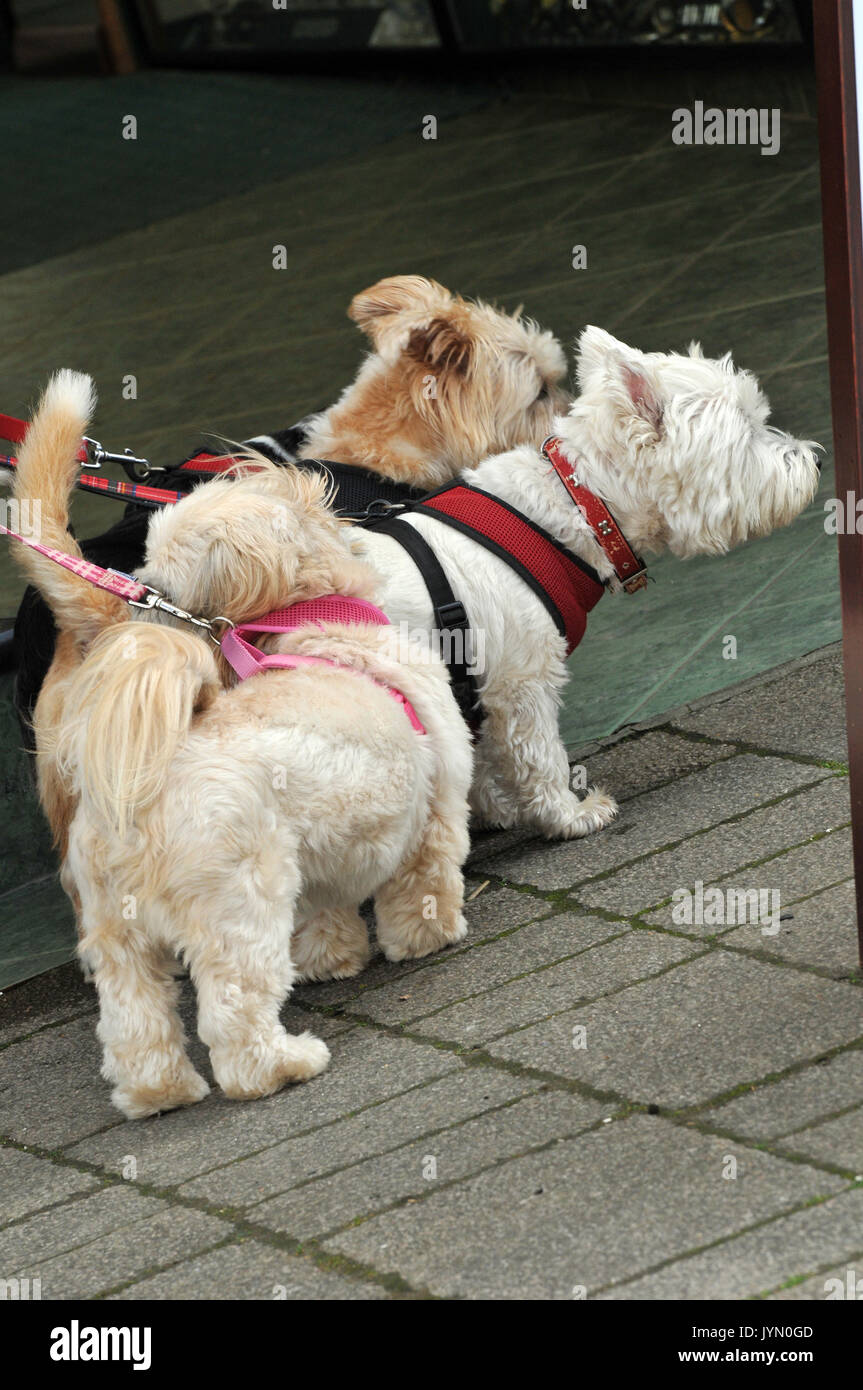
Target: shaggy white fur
{"x": 216, "y": 821}
{"x": 680, "y": 450}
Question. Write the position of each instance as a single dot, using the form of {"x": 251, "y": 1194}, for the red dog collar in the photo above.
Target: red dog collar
{"x": 628, "y": 567}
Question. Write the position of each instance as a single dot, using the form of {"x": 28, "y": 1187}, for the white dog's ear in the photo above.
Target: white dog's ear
{"x": 595, "y": 353}
{"x": 643, "y": 395}
{"x": 606, "y": 364}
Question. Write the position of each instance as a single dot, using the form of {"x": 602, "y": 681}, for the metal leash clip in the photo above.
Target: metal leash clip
{"x": 138, "y": 469}
{"x": 154, "y": 599}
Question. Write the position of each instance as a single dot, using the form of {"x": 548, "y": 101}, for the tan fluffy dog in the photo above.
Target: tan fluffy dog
{"x": 447, "y": 382}
{"x": 211, "y": 823}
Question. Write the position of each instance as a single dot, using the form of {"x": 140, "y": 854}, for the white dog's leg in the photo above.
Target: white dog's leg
{"x": 139, "y": 1027}
{"x": 523, "y": 771}
{"x": 332, "y": 945}
{"x": 420, "y": 909}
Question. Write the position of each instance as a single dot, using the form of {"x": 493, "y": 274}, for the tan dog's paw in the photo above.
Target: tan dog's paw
{"x": 426, "y": 937}
{"x": 331, "y": 946}
{"x": 138, "y": 1101}
{"x": 252, "y": 1071}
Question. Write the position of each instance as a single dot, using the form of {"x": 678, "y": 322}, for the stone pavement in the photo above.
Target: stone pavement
{"x": 590, "y": 1097}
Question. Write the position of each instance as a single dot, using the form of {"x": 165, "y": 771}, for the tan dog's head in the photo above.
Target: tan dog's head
{"x": 449, "y": 381}
{"x": 252, "y": 541}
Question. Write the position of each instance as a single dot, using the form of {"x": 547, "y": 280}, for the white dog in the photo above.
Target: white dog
{"x": 212, "y": 823}
{"x": 679, "y": 449}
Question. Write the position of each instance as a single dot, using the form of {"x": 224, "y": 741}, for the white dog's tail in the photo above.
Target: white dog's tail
{"x": 130, "y": 706}
{"x": 47, "y": 470}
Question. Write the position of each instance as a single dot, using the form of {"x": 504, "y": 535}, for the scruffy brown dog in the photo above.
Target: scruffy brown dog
{"x": 448, "y": 382}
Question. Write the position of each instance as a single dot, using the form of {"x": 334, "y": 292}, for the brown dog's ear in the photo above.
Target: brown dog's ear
{"x": 375, "y": 309}
{"x": 441, "y": 344}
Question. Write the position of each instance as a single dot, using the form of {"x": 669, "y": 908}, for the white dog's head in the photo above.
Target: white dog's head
{"x": 680, "y": 448}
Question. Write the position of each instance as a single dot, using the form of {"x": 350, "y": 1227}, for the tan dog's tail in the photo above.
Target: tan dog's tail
{"x": 46, "y": 473}
{"x": 128, "y": 709}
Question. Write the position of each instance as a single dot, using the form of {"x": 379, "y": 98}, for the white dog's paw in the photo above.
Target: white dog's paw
{"x": 581, "y": 818}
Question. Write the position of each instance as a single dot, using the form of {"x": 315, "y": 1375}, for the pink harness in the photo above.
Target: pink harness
{"x": 241, "y": 655}
{"x": 247, "y": 660}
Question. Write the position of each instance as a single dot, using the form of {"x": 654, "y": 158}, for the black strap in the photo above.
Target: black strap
{"x": 355, "y": 490}
{"x": 450, "y": 616}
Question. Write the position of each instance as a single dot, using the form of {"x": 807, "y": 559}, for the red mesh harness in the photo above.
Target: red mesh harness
{"x": 567, "y": 587}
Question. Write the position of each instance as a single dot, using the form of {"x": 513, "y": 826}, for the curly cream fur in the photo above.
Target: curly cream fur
{"x": 221, "y": 824}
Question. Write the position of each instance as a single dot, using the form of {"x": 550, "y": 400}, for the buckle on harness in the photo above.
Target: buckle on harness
{"x": 452, "y": 615}
{"x": 381, "y": 507}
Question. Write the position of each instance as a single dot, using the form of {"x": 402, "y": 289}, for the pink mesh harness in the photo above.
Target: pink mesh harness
{"x": 247, "y": 660}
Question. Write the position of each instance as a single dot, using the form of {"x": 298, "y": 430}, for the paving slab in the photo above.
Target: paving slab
{"x": 822, "y": 932}
{"x": 75, "y": 1225}
{"x": 637, "y": 764}
{"x": 696, "y": 1031}
{"x": 631, "y": 956}
{"x": 249, "y": 1271}
{"x": 799, "y": 872}
{"x": 717, "y": 852}
{"x": 411, "y": 1172}
{"x": 172, "y": 1148}
{"x": 481, "y": 969}
{"x": 171, "y": 1234}
{"x": 658, "y": 818}
{"x": 51, "y": 1090}
{"x": 456, "y": 1097}
{"x": 838, "y": 1142}
{"x": 778, "y": 714}
{"x": 47, "y": 999}
{"x": 780, "y": 1108}
{"x": 584, "y": 1212}
{"x": 28, "y": 1183}
{"x": 750, "y": 1264}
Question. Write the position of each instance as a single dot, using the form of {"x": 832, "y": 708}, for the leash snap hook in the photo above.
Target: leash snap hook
{"x": 138, "y": 469}
{"x": 153, "y": 599}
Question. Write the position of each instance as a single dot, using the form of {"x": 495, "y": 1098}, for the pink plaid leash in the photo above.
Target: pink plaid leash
{"x": 114, "y": 581}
